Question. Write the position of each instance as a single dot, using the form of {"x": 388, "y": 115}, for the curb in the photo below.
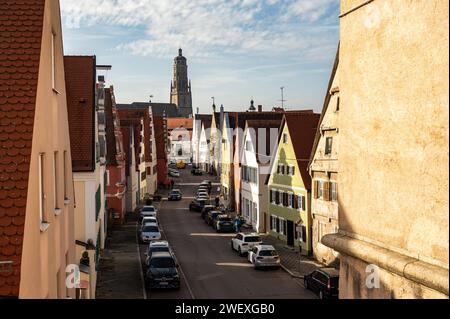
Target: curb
{"x": 291, "y": 273}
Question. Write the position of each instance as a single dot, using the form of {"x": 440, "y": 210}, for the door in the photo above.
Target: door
{"x": 290, "y": 233}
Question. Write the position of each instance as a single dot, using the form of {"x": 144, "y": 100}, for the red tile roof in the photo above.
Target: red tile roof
{"x": 302, "y": 129}
{"x": 21, "y": 24}
{"x": 80, "y": 87}
{"x": 174, "y": 123}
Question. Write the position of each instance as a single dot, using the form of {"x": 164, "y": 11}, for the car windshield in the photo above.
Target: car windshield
{"x": 252, "y": 239}
{"x": 165, "y": 262}
{"x": 225, "y": 219}
{"x": 175, "y": 192}
{"x": 266, "y": 253}
{"x": 158, "y": 249}
{"x": 148, "y": 209}
{"x": 150, "y": 229}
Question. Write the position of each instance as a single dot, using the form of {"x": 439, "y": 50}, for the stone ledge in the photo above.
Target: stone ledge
{"x": 423, "y": 273}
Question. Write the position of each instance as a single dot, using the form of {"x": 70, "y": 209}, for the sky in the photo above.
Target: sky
{"x": 236, "y": 49}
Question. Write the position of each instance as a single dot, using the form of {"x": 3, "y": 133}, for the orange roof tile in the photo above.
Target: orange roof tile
{"x": 21, "y": 24}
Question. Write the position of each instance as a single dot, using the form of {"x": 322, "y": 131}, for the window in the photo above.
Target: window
{"x": 98, "y": 203}
{"x": 333, "y": 190}
{"x": 338, "y": 104}
{"x": 273, "y": 223}
{"x": 280, "y": 198}
{"x": 328, "y": 145}
{"x": 65, "y": 174}
{"x": 273, "y": 196}
{"x": 42, "y": 196}
{"x": 301, "y": 202}
{"x": 143, "y": 176}
{"x": 282, "y": 229}
{"x": 320, "y": 189}
{"x": 291, "y": 170}
{"x": 285, "y": 138}
{"x": 53, "y": 48}
{"x": 55, "y": 180}
{"x": 289, "y": 196}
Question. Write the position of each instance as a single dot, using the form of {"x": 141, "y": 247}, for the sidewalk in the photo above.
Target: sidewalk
{"x": 119, "y": 274}
{"x": 291, "y": 261}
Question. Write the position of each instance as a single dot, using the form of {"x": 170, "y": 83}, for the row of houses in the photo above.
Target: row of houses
{"x": 364, "y": 185}
{"x": 73, "y": 162}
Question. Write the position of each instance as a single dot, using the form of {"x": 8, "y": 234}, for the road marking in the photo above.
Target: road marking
{"x": 144, "y": 291}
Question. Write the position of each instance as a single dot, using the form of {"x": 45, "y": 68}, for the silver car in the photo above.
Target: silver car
{"x": 150, "y": 232}
{"x": 264, "y": 256}
{"x": 148, "y": 211}
{"x": 149, "y": 220}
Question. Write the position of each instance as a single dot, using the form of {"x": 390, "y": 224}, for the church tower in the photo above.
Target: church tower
{"x": 180, "y": 90}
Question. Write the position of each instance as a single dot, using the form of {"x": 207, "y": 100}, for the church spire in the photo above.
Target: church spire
{"x": 180, "y": 93}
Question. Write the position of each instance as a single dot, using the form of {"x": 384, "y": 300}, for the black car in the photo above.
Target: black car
{"x": 197, "y": 172}
{"x": 175, "y": 194}
{"x": 211, "y": 216}
{"x": 197, "y": 205}
{"x": 162, "y": 272}
{"x": 223, "y": 223}
{"x": 324, "y": 282}
{"x": 206, "y": 209}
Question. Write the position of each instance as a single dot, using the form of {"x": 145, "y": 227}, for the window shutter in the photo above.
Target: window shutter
{"x": 277, "y": 197}
{"x": 295, "y": 201}
{"x": 285, "y": 200}
{"x": 326, "y": 191}
{"x": 316, "y": 189}
{"x": 304, "y": 234}
{"x": 293, "y": 170}
{"x": 303, "y": 203}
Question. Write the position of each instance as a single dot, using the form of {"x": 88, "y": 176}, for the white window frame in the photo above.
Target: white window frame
{"x": 274, "y": 195}
{"x": 281, "y": 198}
{"x": 290, "y": 200}
{"x": 300, "y": 199}
{"x": 282, "y": 230}
{"x": 320, "y": 184}
{"x": 274, "y": 223}
{"x": 331, "y": 191}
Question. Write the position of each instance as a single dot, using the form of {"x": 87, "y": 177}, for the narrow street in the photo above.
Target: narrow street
{"x": 209, "y": 269}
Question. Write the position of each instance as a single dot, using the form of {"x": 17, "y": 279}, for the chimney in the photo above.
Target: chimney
{"x": 260, "y": 108}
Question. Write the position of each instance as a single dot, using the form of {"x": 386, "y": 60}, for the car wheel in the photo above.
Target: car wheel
{"x": 240, "y": 252}
{"x": 321, "y": 296}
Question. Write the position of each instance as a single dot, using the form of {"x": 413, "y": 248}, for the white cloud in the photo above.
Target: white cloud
{"x": 206, "y": 28}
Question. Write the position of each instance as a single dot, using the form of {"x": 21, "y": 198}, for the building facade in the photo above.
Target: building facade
{"x": 36, "y": 202}
{"x": 115, "y": 159}
{"x": 259, "y": 143}
{"x": 324, "y": 168}
{"x": 289, "y": 183}
{"x": 393, "y": 150}
{"x": 180, "y": 136}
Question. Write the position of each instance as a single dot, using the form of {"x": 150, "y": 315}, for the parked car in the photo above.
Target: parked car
{"x": 162, "y": 272}
{"x": 150, "y": 232}
{"x": 148, "y": 211}
{"x": 264, "y": 256}
{"x": 202, "y": 198}
{"x": 211, "y": 216}
{"x": 197, "y": 205}
{"x": 324, "y": 282}
{"x": 244, "y": 242}
{"x": 175, "y": 194}
{"x": 157, "y": 246}
{"x": 174, "y": 173}
{"x": 202, "y": 193}
{"x": 149, "y": 220}
{"x": 181, "y": 165}
{"x": 206, "y": 209}
{"x": 223, "y": 223}
{"x": 197, "y": 172}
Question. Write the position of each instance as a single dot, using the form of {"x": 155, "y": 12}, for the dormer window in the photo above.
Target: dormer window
{"x": 328, "y": 145}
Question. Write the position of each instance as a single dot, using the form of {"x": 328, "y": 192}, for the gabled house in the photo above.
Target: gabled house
{"x": 162, "y": 149}
{"x": 215, "y": 145}
{"x": 115, "y": 160}
{"x": 89, "y": 179}
{"x": 199, "y": 120}
{"x": 227, "y": 159}
{"x": 204, "y": 143}
{"x": 36, "y": 187}
{"x": 180, "y": 136}
{"x": 257, "y": 151}
{"x": 323, "y": 168}
{"x": 289, "y": 183}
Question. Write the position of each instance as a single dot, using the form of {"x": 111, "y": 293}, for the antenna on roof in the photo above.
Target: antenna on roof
{"x": 282, "y": 97}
